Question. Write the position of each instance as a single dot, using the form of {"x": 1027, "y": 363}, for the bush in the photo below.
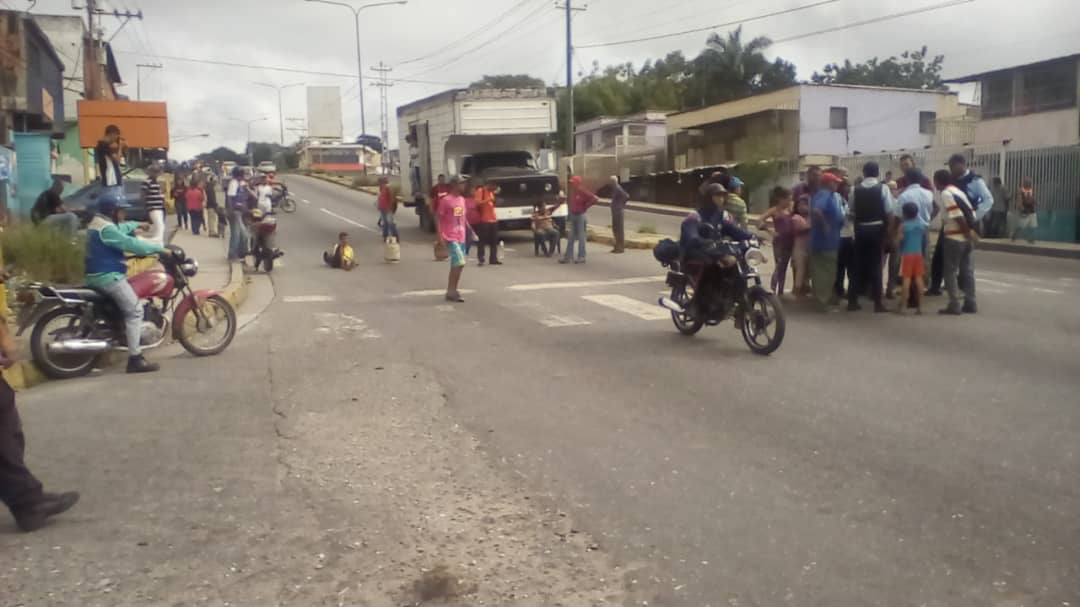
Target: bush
{"x": 646, "y": 229}
{"x": 365, "y": 181}
{"x": 42, "y": 254}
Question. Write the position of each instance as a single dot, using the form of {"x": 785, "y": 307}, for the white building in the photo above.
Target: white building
{"x": 602, "y": 135}
{"x": 809, "y": 120}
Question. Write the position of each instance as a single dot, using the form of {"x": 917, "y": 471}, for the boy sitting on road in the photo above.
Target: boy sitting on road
{"x": 341, "y": 256}
{"x": 545, "y": 236}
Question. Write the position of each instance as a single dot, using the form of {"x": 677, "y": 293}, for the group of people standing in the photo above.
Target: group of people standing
{"x": 830, "y": 229}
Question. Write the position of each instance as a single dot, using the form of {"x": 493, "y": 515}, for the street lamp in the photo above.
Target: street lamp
{"x": 281, "y": 116}
{"x": 359, "y": 66}
{"x": 250, "y": 148}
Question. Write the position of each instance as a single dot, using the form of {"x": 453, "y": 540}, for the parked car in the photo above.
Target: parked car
{"x": 83, "y": 202}
{"x": 267, "y": 167}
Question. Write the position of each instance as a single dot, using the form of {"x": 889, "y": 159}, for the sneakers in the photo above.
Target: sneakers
{"x": 50, "y": 505}
{"x": 455, "y": 297}
{"x": 496, "y": 262}
{"x": 564, "y": 260}
{"x": 139, "y": 364}
{"x": 970, "y": 308}
{"x": 950, "y": 311}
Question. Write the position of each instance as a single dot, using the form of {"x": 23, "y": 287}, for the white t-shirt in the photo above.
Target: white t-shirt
{"x": 265, "y": 192}
{"x": 234, "y": 187}
{"x": 950, "y": 199}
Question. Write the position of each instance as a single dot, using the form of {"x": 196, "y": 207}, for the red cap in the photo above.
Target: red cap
{"x": 827, "y": 178}
{"x": 575, "y": 180}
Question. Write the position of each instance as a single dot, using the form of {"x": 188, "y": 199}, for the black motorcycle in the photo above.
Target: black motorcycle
{"x": 717, "y": 279}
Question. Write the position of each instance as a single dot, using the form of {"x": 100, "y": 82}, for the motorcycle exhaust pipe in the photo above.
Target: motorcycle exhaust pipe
{"x": 79, "y": 346}
{"x": 667, "y": 302}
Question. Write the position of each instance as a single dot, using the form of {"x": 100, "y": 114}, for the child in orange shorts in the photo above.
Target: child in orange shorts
{"x": 912, "y": 266}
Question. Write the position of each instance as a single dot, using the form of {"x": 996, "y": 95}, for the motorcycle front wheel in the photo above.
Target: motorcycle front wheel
{"x": 762, "y": 322}
{"x": 288, "y": 205}
{"x": 55, "y": 326}
{"x": 684, "y": 322}
{"x": 207, "y": 329}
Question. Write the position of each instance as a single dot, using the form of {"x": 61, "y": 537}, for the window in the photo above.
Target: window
{"x": 636, "y": 130}
{"x": 927, "y": 123}
{"x": 838, "y": 118}
{"x": 997, "y": 96}
{"x": 1048, "y": 87}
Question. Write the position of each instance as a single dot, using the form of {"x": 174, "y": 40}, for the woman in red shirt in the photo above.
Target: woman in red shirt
{"x": 487, "y": 227}
{"x": 387, "y": 208}
{"x": 195, "y": 199}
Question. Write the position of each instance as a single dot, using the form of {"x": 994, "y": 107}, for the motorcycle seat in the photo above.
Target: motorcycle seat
{"x": 83, "y": 293}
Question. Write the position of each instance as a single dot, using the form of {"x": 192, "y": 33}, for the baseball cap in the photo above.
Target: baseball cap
{"x": 831, "y": 178}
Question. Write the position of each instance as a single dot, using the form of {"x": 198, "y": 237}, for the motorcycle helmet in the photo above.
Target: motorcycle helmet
{"x": 110, "y": 201}
{"x": 715, "y": 189}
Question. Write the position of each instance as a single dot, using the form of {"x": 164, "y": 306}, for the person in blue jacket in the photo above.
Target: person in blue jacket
{"x": 108, "y": 238}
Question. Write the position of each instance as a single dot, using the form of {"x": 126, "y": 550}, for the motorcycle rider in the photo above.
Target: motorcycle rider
{"x": 108, "y": 238}
{"x": 710, "y": 212}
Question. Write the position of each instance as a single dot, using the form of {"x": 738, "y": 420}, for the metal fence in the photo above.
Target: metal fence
{"x": 1054, "y": 172}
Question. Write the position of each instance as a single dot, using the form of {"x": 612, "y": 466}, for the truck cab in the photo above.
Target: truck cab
{"x": 517, "y": 181}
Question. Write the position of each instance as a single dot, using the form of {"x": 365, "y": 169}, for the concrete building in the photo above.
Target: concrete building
{"x": 602, "y": 135}
{"x": 809, "y": 121}
{"x": 1037, "y": 104}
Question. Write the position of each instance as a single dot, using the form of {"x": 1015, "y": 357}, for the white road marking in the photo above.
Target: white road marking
{"x": 630, "y": 306}
{"x": 554, "y": 321}
{"x": 445, "y": 308}
{"x": 344, "y": 323}
{"x": 348, "y": 221}
{"x": 581, "y": 284}
{"x": 305, "y": 201}
{"x": 1050, "y": 291}
{"x": 307, "y": 299}
{"x": 996, "y": 283}
{"x": 432, "y": 293}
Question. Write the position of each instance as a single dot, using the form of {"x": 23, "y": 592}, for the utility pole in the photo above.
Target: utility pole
{"x": 281, "y": 114}
{"x": 95, "y": 88}
{"x": 139, "y": 67}
{"x": 384, "y": 85}
{"x": 570, "y": 10}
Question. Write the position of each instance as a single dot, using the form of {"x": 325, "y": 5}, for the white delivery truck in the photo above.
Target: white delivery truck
{"x": 498, "y": 135}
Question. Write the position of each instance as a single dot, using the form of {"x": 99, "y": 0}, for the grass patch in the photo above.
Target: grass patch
{"x": 647, "y": 228}
{"x": 41, "y": 254}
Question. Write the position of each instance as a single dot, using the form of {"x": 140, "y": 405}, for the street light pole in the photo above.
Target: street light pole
{"x": 250, "y": 148}
{"x": 281, "y": 114}
{"x": 359, "y": 63}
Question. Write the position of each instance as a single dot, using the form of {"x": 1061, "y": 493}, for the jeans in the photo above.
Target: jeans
{"x": 196, "y": 218}
{"x": 544, "y": 241}
{"x": 823, "y": 277}
{"x": 181, "y": 214}
{"x": 959, "y": 272}
{"x": 867, "y": 262}
{"x": 782, "y": 257}
{"x": 125, "y": 299}
{"x": 845, "y": 265}
{"x": 238, "y": 236}
{"x": 211, "y": 221}
{"x": 18, "y": 487}
{"x": 157, "y": 226}
{"x": 68, "y": 223}
{"x": 389, "y": 227}
{"x": 618, "y": 228}
{"x": 577, "y": 233}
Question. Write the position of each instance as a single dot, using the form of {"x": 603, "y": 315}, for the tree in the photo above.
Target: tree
{"x": 912, "y": 70}
{"x": 730, "y": 69}
{"x": 222, "y": 154}
{"x": 508, "y": 81}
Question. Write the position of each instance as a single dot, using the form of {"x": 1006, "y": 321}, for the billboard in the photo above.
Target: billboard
{"x": 324, "y": 113}
{"x": 143, "y": 124}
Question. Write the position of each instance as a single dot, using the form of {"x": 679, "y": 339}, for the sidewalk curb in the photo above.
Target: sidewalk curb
{"x": 25, "y": 374}
{"x": 1026, "y": 249}
{"x": 632, "y": 241}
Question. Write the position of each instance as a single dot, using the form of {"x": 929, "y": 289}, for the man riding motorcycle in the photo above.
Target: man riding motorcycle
{"x": 108, "y": 238}
{"x": 696, "y": 246}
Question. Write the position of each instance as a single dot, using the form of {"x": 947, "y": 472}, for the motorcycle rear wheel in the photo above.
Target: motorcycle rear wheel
{"x": 684, "y": 322}
{"x": 60, "y": 366}
{"x": 288, "y": 205}
{"x": 762, "y": 323}
{"x": 214, "y": 311}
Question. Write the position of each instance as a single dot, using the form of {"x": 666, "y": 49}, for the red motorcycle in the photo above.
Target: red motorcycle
{"x": 73, "y": 327}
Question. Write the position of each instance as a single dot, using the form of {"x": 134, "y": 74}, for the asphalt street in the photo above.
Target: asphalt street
{"x": 873, "y": 460}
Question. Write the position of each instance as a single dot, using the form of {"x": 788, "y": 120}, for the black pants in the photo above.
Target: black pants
{"x": 618, "y": 228}
{"x": 845, "y": 265}
{"x": 937, "y": 264}
{"x": 18, "y": 487}
{"x": 196, "y": 218}
{"x": 488, "y": 234}
{"x": 181, "y": 215}
{"x": 866, "y": 258}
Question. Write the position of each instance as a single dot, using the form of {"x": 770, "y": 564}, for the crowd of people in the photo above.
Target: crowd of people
{"x": 842, "y": 237}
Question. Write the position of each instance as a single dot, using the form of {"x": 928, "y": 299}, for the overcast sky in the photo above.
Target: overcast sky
{"x": 515, "y": 36}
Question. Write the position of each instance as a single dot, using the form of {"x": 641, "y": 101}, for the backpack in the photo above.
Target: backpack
{"x": 967, "y": 209}
{"x": 965, "y": 184}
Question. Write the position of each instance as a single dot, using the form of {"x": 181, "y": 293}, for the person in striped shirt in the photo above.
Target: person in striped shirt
{"x": 154, "y": 200}
{"x": 957, "y": 244}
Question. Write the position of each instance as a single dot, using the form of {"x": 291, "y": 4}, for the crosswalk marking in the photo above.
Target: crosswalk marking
{"x": 432, "y": 293}
{"x": 1050, "y": 291}
{"x": 630, "y": 306}
{"x": 582, "y": 284}
{"x": 565, "y": 320}
{"x": 307, "y": 299}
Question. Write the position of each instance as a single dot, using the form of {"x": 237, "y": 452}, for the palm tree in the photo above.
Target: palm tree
{"x": 730, "y": 69}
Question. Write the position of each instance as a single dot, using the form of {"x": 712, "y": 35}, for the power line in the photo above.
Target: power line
{"x": 468, "y": 36}
{"x": 710, "y": 27}
{"x": 890, "y": 17}
{"x": 292, "y": 70}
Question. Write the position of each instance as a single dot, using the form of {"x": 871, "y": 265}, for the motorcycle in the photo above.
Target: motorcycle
{"x": 283, "y": 200}
{"x": 72, "y": 327}
{"x": 722, "y": 282}
{"x": 263, "y": 234}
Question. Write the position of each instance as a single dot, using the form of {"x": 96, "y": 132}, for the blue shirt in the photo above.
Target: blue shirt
{"x": 922, "y": 197}
{"x": 825, "y": 236}
{"x": 977, "y": 190}
{"x": 914, "y": 231}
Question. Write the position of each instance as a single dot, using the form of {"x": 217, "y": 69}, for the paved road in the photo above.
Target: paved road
{"x": 874, "y": 460}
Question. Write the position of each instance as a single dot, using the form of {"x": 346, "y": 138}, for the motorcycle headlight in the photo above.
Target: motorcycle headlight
{"x": 756, "y": 258}
{"x": 190, "y": 268}
{"x": 547, "y": 187}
